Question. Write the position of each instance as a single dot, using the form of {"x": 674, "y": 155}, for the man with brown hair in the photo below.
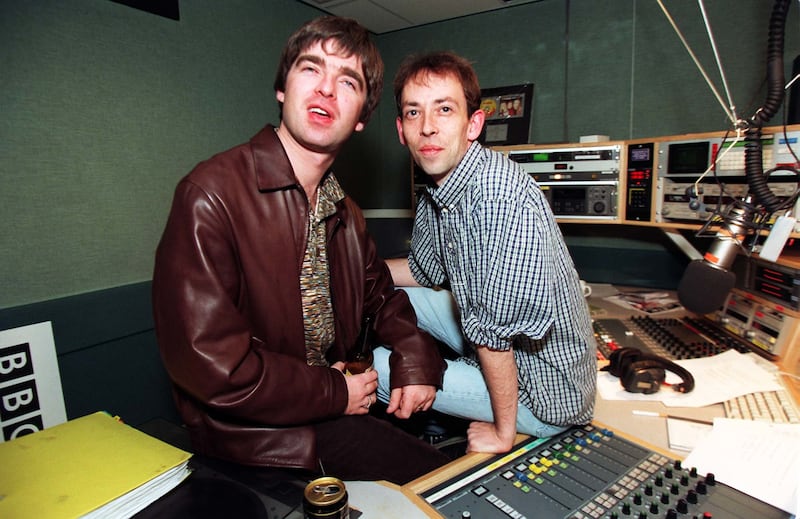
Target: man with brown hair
{"x": 264, "y": 273}
{"x": 514, "y": 311}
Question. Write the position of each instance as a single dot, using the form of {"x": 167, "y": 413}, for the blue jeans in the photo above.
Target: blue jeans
{"x": 464, "y": 393}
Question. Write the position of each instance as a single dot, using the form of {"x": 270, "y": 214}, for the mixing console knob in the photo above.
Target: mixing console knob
{"x": 674, "y": 489}
{"x": 677, "y": 465}
{"x": 683, "y": 506}
{"x": 701, "y": 487}
{"x": 659, "y": 481}
{"x": 691, "y": 496}
{"x": 684, "y": 480}
{"x": 642, "y": 515}
{"x": 466, "y": 515}
{"x": 693, "y": 472}
{"x": 671, "y": 514}
{"x": 665, "y": 498}
{"x": 648, "y": 490}
{"x": 626, "y": 509}
{"x": 637, "y": 499}
{"x": 668, "y": 473}
{"x": 711, "y": 479}
{"x": 653, "y": 508}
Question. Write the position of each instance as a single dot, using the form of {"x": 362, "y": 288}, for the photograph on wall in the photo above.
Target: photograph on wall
{"x": 503, "y": 107}
{"x": 31, "y": 398}
{"x": 508, "y": 114}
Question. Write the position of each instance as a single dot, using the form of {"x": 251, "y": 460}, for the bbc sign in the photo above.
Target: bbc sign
{"x": 30, "y": 385}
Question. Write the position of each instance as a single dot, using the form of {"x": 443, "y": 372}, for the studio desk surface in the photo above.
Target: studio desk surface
{"x": 216, "y": 490}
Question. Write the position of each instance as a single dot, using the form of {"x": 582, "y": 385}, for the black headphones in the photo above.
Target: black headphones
{"x": 640, "y": 372}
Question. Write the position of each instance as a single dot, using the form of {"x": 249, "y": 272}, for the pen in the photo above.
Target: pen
{"x": 662, "y": 415}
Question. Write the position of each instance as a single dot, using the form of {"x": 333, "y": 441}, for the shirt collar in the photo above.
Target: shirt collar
{"x": 274, "y": 171}
{"x": 455, "y": 185}
{"x": 330, "y": 192}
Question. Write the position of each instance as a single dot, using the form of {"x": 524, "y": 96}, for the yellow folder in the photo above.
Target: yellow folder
{"x": 90, "y": 466}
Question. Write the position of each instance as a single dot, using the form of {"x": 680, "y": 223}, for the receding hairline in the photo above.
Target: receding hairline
{"x": 423, "y": 77}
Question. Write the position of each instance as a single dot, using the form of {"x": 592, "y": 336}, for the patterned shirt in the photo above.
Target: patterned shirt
{"x": 489, "y": 232}
{"x": 315, "y": 287}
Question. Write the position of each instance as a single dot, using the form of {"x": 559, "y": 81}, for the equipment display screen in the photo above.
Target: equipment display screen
{"x": 690, "y": 157}
{"x": 640, "y": 154}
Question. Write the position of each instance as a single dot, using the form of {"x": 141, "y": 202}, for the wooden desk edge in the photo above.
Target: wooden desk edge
{"x": 792, "y": 384}
{"x": 454, "y": 468}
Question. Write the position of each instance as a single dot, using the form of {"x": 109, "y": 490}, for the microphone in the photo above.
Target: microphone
{"x": 706, "y": 283}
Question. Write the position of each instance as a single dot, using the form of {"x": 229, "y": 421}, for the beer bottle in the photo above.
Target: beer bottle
{"x": 359, "y": 358}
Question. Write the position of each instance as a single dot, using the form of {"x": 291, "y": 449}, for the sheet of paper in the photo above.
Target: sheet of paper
{"x": 381, "y": 499}
{"x": 684, "y": 435}
{"x": 735, "y": 450}
{"x": 718, "y": 378}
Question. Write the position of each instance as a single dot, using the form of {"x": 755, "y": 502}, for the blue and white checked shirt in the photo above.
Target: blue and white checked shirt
{"x": 490, "y": 233}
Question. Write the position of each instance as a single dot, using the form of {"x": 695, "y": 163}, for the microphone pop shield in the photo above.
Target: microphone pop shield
{"x": 703, "y": 287}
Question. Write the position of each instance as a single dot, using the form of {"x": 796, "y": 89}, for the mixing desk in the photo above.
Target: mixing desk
{"x": 589, "y": 472}
{"x": 671, "y": 338}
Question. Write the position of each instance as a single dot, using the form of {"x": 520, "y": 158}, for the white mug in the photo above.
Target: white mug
{"x": 587, "y": 288}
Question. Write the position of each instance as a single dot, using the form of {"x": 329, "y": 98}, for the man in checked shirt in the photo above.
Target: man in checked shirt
{"x": 513, "y": 309}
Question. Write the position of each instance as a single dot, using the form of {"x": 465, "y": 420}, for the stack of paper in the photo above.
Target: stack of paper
{"x": 94, "y": 466}
{"x": 761, "y": 459}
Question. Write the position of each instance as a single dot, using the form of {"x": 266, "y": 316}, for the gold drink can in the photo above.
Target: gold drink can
{"x": 326, "y": 497}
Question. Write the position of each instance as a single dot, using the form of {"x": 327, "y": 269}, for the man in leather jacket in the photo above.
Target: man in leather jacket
{"x": 262, "y": 277}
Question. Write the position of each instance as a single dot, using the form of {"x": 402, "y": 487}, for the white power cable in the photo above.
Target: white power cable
{"x": 713, "y": 42}
{"x": 739, "y": 137}
{"x": 731, "y": 115}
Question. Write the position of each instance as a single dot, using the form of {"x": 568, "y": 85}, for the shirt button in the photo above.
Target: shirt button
{"x": 449, "y": 245}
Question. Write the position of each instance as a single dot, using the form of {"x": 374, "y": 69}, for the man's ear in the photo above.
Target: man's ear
{"x": 476, "y": 121}
{"x": 399, "y": 124}
{"x": 280, "y": 95}
{"x": 359, "y": 126}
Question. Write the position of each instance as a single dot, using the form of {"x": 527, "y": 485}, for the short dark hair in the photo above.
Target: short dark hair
{"x": 438, "y": 63}
{"x": 349, "y": 38}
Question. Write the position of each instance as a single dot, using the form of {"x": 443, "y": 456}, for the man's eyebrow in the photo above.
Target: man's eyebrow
{"x": 353, "y": 73}
{"x": 309, "y": 57}
{"x": 443, "y": 100}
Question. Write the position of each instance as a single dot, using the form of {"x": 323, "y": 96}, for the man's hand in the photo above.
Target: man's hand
{"x": 484, "y": 437}
{"x": 360, "y": 390}
{"x": 406, "y": 400}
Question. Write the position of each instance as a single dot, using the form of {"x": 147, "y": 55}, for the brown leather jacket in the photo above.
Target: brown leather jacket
{"x": 228, "y": 313}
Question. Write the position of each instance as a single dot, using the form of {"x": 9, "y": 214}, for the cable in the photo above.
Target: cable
{"x": 713, "y": 42}
{"x": 731, "y": 115}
